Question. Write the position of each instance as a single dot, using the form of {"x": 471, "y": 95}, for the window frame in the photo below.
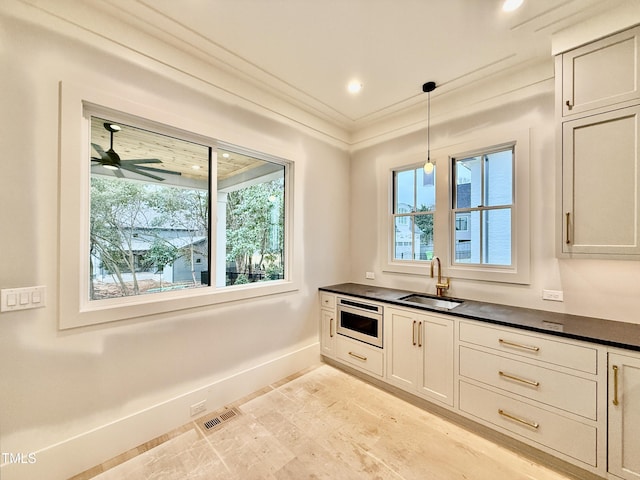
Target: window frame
{"x": 409, "y": 215}
{"x": 481, "y": 209}
{"x": 74, "y": 307}
{"x": 519, "y": 271}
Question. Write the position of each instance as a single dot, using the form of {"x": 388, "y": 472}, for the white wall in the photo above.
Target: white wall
{"x": 81, "y": 396}
{"x": 597, "y": 288}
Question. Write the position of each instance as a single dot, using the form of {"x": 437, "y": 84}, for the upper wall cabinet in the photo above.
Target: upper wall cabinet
{"x": 601, "y": 181}
{"x": 601, "y": 74}
{"x": 598, "y": 111}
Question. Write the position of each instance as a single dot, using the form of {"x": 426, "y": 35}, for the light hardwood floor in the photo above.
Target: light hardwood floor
{"x": 323, "y": 424}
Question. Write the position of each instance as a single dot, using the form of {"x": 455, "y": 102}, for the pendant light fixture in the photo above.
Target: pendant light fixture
{"x": 428, "y": 88}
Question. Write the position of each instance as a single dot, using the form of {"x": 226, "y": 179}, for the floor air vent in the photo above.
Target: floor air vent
{"x": 211, "y": 422}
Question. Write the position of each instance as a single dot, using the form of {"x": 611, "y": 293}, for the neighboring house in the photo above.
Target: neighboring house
{"x": 191, "y": 249}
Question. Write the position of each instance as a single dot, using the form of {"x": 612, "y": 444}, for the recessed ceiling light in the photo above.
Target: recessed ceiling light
{"x": 511, "y": 5}
{"x": 225, "y": 155}
{"x": 195, "y": 167}
{"x": 354, "y": 86}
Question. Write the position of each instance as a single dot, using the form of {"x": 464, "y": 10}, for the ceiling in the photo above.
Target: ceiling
{"x": 169, "y": 159}
{"x": 306, "y": 51}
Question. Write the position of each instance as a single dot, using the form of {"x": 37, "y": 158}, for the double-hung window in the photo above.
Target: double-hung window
{"x": 484, "y": 232}
{"x": 414, "y": 207}
{"x": 483, "y": 201}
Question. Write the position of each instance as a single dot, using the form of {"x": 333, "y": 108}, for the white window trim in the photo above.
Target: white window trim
{"x": 519, "y": 272}
{"x": 74, "y": 307}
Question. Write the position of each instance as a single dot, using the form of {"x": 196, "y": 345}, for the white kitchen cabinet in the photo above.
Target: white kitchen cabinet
{"x": 598, "y": 108}
{"x": 360, "y": 355}
{"x": 624, "y": 415}
{"x": 600, "y": 74}
{"x": 420, "y": 353}
{"x": 327, "y": 324}
{"x": 600, "y": 181}
{"x": 539, "y": 389}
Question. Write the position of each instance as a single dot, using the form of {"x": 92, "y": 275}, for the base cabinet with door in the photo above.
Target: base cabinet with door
{"x": 574, "y": 399}
{"x": 624, "y": 415}
{"x": 420, "y": 353}
{"x": 327, "y": 324}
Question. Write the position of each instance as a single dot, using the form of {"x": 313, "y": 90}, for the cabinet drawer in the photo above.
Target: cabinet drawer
{"x": 539, "y": 383}
{"x": 554, "y": 431}
{"x": 539, "y": 347}
{"x": 361, "y": 355}
{"x": 327, "y": 300}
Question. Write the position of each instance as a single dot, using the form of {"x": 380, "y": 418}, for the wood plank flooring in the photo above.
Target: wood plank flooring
{"x": 323, "y": 424}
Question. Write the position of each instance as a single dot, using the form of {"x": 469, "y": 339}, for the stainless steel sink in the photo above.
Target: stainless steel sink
{"x": 436, "y": 302}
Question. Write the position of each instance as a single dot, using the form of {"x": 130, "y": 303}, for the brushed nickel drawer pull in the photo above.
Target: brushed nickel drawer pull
{"x": 569, "y": 104}
{"x": 413, "y": 333}
{"x": 420, "y": 334}
{"x": 359, "y": 357}
{"x": 331, "y": 320}
{"x": 568, "y": 226}
{"x": 518, "y": 379}
{"x": 615, "y": 385}
{"x": 519, "y": 420}
{"x": 518, "y": 345}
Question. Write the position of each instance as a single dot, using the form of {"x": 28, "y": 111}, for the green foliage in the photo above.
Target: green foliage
{"x": 254, "y": 215}
{"x": 425, "y": 224}
{"x": 241, "y": 279}
{"x": 160, "y": 254}
{"x": 122, "y": 209}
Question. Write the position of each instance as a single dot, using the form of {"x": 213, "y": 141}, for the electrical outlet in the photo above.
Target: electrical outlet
{"x": 199, "y": 407}
{"x": 370, "y": 275}
{"x": 553, "y": 295}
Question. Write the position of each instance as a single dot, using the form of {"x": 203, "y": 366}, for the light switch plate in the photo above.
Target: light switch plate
{"x": 22, "y": 298}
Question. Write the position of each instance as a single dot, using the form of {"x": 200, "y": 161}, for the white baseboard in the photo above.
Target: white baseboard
{"x": 77, "y": 454}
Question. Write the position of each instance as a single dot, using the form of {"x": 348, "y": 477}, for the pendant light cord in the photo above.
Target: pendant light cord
{"x": 428, "y": 126}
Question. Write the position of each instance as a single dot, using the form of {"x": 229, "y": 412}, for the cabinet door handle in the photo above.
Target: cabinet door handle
{"x": 518, "y": 379}
{"x": 420, "y": 334}
{"x": 615, "y": 385}
{"x": 518, "y": 345}
{"x": 568, "y": 226}
{"x": 518, "y": 419}
{"x": 331, "y": 320}
{"x": 413, "y": 333}
{"x": 569, "y": 104}
{"x": 359, "y": 357}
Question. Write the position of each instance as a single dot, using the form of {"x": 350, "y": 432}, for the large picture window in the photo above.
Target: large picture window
{"x": 150, "y": 213}
{"x": 159, "y": 215}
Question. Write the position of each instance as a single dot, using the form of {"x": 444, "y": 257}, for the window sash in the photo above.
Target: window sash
{"x": 481, "y": 212}
{"x": 418, "y": 223}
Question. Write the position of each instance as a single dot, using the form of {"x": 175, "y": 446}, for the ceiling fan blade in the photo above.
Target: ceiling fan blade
{"x": 135, "y": 161}
{"x": 118, "y": 173}
{"x": 159, "y": 170}
{"x": 133, "y": 169}
{"x": 98, "y": 148}
{"x": 144, "y": 160}
{"x": 95, "y": 159}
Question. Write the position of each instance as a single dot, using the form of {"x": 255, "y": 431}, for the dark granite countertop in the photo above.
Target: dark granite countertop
{"x": 604, "y": 332}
